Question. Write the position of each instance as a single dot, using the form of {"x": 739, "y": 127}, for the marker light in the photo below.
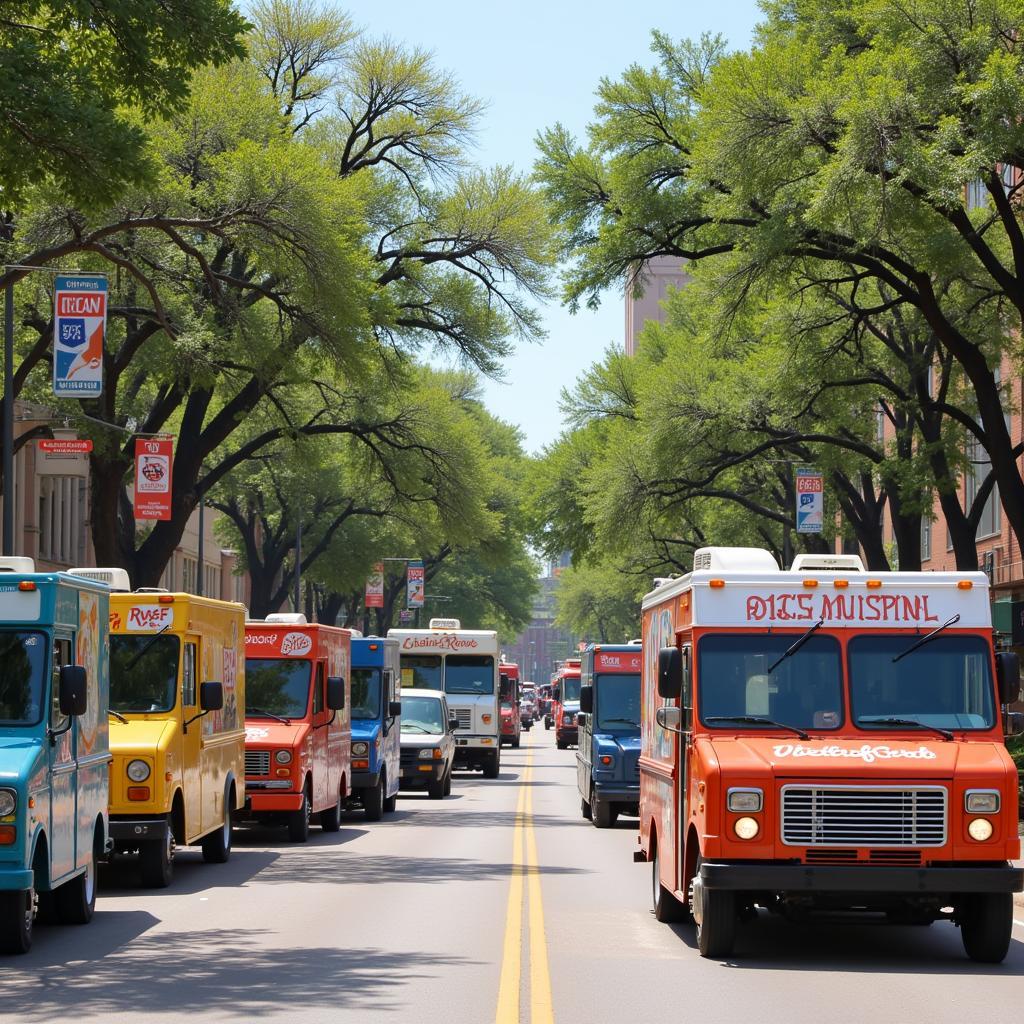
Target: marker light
{"x": 26, "y": 585}
{"x": 873, "y": 584}
{"x": 746, "y": 828}
{"x": 980, "y": 829}
{"x": 964, "y": 585}
{"x": 138, "y": 771}
{"x": 283, "y": 757}
{"x": 486, "y": 719}
{"x": 606, "y": 759}
{"x": 716, "y": 584}
{"x": 840, "y": 584}
{"x": 982, "y": 801}
{"x": 166, "y": 599}
{"x": 810, "y": 583}
{"x": 373, "y": 647}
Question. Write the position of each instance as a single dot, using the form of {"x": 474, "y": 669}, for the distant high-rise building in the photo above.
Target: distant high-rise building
{"x": 658, "y": 276}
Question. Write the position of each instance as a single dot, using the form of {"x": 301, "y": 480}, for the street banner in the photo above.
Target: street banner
{"x": 153, "y": 477}
{"x": 63, "y": 455}
{"x": 406, "y": 616}
{"x": 79, "y": 326}
{"x": 415, "y": 585}
{"x": 810, "y": 501}
{"x": 375, "y": 587}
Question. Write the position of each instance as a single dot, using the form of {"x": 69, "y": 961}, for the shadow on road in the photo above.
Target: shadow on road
{"x": 191, "y": 873}
{"x": 433, "y": 815}
{"x": 229, "y": 974}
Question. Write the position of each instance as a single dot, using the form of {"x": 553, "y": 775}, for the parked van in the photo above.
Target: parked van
{"x": 54, "y": 754}
{"x": 297, "y": 734}
{"x": 376, "y": 724}
{"x": 177, "y": 693}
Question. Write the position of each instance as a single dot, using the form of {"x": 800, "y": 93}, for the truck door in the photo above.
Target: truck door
{"x": 321, "y": 779}
{"x": 191, "y": 741}
{"x": 684, "y": 747}
{"x": 63, "y": 773}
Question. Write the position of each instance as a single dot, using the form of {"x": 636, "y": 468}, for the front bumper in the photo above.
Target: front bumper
{"x": 476, "y": 742}
{"x": 751, "y": 875}
{"x": 411, "y": 774}
{"x": 16, "y": 879}
{"x": 271, "y": 801}
{"x": 365, "y": 780}
{"x": 622, "y": 792}
{"x": 139, "y": 830}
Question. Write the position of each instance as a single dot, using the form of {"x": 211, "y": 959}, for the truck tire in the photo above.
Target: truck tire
{"x": 373, "y": 801}
{"x": 986, "y": 926}
{"x": 76, "y": 900}
{"x": 156, "y": 861}
{"x": 448, "y": 782}
{"x": 562, "y": 744}
{"x": 435, "y": 789}
{"x": 493, "y": 765}
{"x": 17, "y": 911}
{"x": 330, "y": 820}
{"x": 515, "y": 743}
{"x": 389, "y": 802}
{"x": 547, "y": 724}
{"x": 298, "y": 821}
{"x": 604, "y": 814}
{"x": 217, "y": 845}
{"x": 585, "y": 810}
{"x": 716, "y": 929}
{"x": 667, "y": 908}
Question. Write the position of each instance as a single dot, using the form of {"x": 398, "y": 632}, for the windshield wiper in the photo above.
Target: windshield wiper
{"x": 117, "y": 715}
{"x": 406, "y": 726}
{"x": 920, "y": 643}
{"x": 913, "y": 722}
{"x": 268, "y": 714}
{"x": 793, "y": 648}
{"x": 146, "y": 646}
{"x": 757, "y": 720}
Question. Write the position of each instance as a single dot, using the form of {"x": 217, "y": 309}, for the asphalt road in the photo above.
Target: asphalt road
{"x": 498, "y": 904}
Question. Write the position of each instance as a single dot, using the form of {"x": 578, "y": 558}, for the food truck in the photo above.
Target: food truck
{"x": 509, "y": 693}
{"x": 376, "y": 724}
{"x": 826, "y": 739}
{"x": 566, "y": 703}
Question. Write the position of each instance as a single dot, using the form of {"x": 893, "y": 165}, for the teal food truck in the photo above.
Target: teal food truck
{"x": 54, "y": 752}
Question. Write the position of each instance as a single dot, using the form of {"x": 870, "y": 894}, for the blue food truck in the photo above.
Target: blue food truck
{"x": 54, "y": 751}
{"x": 608, "y": 753}
{"x": 376, "y": 724}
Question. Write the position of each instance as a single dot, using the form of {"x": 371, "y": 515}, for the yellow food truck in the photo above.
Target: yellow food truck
{"x": 177, "y": 729}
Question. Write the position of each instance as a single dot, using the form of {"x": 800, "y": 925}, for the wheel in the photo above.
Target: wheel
{"x": 515, "y": 743}
{"x": 76, "y": 900}
{"x": 604, "y": 814}
{"x": 157, "y": 862}
{"x": 667, "y": 908}
{"x": 448, "y": 782}
{"x": 217, "y": 845}
{"x": 298, "y": 821}
{"x": 547, "y": 724}
{"x": 373, "y": 801}
{"x": 585, "y": 808}
{"x": 493, "y": 766}
{"x": 389, "y": 802}
{"x": 435, "y": 789}
{"x": 714, "y": 911}
{"x": 562, "y": 745}
{"x": 330, "y": 820}
{"x": 17, "y": 911}
{"x": 986, "y": 925}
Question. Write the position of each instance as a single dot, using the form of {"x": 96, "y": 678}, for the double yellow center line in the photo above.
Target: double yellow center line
{"x": 524, "y": 900}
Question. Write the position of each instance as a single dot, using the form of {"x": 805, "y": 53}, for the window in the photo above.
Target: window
{"x": 61, "y": 657}
{"x": 62, "y": 519}
{"x": 188, "y": 677}
{"x": 1008, "y": 174}
{"x": 212, "y": 581}
{"x": 275, "y": 687}
{"x": 22, "y": 667}
{"x": 143, "y": 672}
{"x": 926, "y": 537}
{"x": 318, "y": 689}
{"x": 976, "y": 195}
{"x": 421, "y": 671}
{"x": 189, "y": 575}
{"x": 469, "y": 673}
{"x": 979, "y": 467}
{"x": 618, "y": 702}
{"x": 240, "y": 588}
{"x": 366, "y": 693}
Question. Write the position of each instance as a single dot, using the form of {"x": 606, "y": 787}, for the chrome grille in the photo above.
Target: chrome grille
{"x": 863, "y": 816}
{"x": 257, "y": 762}
{"x": 465, "y": 717}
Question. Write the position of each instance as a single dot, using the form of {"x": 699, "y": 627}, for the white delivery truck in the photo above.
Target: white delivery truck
{"x": 464, "y": 664}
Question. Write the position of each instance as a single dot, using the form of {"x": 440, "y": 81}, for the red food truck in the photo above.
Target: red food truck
{"x": 511, "y": 722}
{"x": 827, "y": 739}
{"x": 565, "y": 707}
{"x": 298, "y": 735}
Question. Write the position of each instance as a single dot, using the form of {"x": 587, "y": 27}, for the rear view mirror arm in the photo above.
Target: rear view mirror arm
{"x": 194, "y": 718}
{"x": 323, "y": 725}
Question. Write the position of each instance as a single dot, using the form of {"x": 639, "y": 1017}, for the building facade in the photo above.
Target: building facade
{"x": 659, "y": 277}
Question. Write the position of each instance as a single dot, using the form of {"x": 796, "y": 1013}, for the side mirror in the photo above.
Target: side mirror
{"x": 336, "y": 693}
{"x": 73, "y": 695}
{"x": 394, "y": 709}
{"x": 1014, "y": 723}
{"x": 587, "y": 698}
{"x": 211, "y": 696}
{"x": 670, "y": 673}
{"x": 453, "y": 723}
{"x": 669, "y": 718}
{"x": 1008, "y": 676}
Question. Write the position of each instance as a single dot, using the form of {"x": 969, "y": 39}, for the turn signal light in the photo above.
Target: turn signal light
{"x": 138, "y": 792}
{"x": 486, "y": 719}
{"x": 26, "y": 585}
{"x": 8, "y": 835}
{"x": 964, "y": 585}
{"x": 361, "y": 764}
{"x": 606, "y": 759}
{"x": 283, "y": 773}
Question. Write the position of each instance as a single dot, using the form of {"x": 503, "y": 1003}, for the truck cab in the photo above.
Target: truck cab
{"x": 566, "y": 705}
{"x": 827, "y": 739}
{"x": 376, "y": 724}
{"x": 177, "y": 694}
{"x": 54, "y": 751}
{"x": 607, "y": 758}
{"x": 297, "y": 726}
{"x": 509, "y": 692}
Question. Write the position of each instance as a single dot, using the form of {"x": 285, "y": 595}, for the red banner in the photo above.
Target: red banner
{"x": 153, "y": 477}
{"x": 375, "y": 587}
{"x": 65, "y": 446}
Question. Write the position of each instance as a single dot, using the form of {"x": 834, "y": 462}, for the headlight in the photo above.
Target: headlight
{"x": 138, "y": 771}
{"x": 749, "y": 800}
{"x": 982, "y": 801}
{"x": 283, "y": 757}
{"x": 980, "y": 829}
{"x": 360, "y": 749}
{"x": 746, "y": 828}
{"x": 8, "y": 802}
{"x": 431, "y": 754}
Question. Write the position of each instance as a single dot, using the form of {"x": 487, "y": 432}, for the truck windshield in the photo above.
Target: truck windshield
{"x": 570, "y": 688}
{"x": 469, "y": 673}
{"x": 618, "y": 702}
{"x": 421, "y": 714}
{"x": 804, "y": 691}
{"x": 421, "y": 671}
{"x": 276, "y": 685}
{"x": 945, "y": 684}
{"x": 366, "y": 693}
{"x": 143, "y": 672}
{"x": 22, "y": 665}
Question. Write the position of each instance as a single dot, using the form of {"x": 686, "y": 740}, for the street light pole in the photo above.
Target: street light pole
{"x": 298, "y": 559}
{"x": 8, "y": 418}
{"x": 201, "y": 553}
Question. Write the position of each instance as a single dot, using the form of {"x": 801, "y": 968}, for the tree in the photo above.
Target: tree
{"x": 600, "y": 602}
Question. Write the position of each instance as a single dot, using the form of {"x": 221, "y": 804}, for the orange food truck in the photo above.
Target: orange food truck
{"x": 298, "y": 735}
{"x": 509, "y": 694}
{"x": 826, "y": 739}
{"x": 565, "y": 707}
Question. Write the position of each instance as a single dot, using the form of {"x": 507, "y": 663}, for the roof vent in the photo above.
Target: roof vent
{"x": 286, "y": 619}
{"x": 661, "y": 581}
{"x": 152, "y": 590}
{"x": 17, "y": 563}
{"x": 445, "y": 624}
{"x": 116, "y": 579}
{"x": 734, "y": 560}
{"x": 828, "y": 563}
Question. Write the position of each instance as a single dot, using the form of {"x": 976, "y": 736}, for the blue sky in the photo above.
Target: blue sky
{"x": 536, "y": 63}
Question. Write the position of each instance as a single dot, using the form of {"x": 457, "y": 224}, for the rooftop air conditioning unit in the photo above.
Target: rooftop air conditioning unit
{"x": 445, "y": 624}
{"x": 286, "y": 618}
{"x": 828, "y": 563}
{"x": 116, "y": 579}
{"x": 734, "y": 560}
{"x": 17, "y": 563}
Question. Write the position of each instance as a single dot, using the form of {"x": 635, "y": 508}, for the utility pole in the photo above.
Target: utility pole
{"x": 8, "y": 418}
{"x": 298, "y": 559}
{"x": 201, "y": 553}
